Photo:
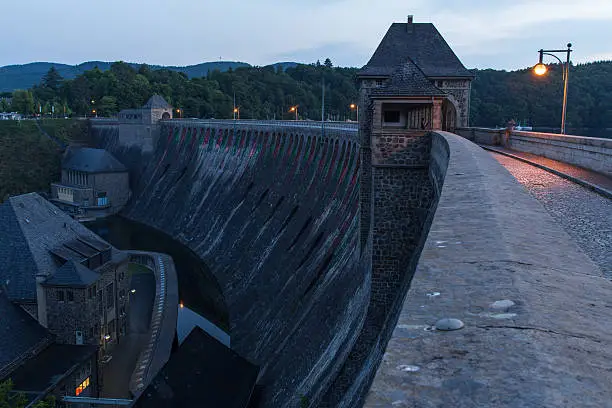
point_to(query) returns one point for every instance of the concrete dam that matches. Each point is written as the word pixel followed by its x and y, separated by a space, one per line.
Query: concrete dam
pixel 275 212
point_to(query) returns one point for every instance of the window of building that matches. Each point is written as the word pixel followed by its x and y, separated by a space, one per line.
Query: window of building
pixel 379 82
pixel 392 116
pixel 70 295
pixel 81 387
pixel 60 295
pixel 110 296
pixel 439 84
pixel 89 293
pixel 102 199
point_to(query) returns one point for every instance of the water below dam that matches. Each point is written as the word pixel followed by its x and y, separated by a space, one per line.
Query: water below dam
pixel 203 303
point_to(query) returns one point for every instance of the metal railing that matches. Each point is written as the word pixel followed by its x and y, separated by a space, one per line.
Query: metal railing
pixel 308 124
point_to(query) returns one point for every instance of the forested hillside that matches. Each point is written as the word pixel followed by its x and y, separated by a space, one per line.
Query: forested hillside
pixel 498 96
pixel 269 92
pixel 27 75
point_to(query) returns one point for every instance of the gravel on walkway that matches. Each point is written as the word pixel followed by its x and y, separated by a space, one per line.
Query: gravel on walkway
pixel 584 214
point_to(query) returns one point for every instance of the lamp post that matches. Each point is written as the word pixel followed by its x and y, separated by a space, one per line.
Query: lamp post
pixel 237 112
pixel 541 69
pixel 179 111
pixel 294 109
pixel 354 106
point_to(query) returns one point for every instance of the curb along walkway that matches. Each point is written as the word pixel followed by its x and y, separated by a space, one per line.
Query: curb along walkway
pixel 597 182
pixel 163 318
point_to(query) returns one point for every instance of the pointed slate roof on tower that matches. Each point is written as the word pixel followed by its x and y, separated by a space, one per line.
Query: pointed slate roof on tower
pixel 408 80
pixel 157 102
pixel 73 274
pixel 420 42
pixel 91 160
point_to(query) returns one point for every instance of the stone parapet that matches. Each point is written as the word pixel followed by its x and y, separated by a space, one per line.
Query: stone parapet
pixel 588 152
pixel 591 153
pixel 163 318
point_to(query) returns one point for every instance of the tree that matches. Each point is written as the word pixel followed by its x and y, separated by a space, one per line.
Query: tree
pixel 328 63
pixel 5 106
pixel 9 399
pixel 107 106
pixel 23 102
pixel 52 79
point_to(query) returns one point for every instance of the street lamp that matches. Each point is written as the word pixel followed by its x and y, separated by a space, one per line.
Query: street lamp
pixel 236 112
pixel 354 106
pixel 294 109
pixel 180 113
pixel 541 69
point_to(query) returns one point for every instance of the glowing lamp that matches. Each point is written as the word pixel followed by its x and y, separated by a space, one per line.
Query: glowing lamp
pixel 353 106
pixel 540 69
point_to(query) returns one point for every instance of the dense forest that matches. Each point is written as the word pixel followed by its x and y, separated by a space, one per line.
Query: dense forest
pixel 269 92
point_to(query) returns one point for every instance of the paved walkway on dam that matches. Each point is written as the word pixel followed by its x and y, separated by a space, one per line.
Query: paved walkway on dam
pixel 585 215
pixel 587 178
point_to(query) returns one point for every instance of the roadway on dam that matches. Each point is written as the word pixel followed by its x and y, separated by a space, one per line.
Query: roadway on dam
pixel 584 214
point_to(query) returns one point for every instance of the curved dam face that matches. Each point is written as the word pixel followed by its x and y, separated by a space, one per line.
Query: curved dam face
pixel 274 213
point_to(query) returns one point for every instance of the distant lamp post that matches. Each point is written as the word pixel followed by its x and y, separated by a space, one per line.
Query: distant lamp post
pixel 179 112
pixel 236 112
pixel 541 69
pixel 294 109
pixel 94 112
pixel 354 106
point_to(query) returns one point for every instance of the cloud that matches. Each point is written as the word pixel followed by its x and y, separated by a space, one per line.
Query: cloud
pixel 483 33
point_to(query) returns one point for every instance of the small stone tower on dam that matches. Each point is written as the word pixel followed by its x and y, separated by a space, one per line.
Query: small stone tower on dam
pixel 312 236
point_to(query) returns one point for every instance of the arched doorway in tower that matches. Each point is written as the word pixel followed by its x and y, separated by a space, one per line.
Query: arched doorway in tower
pixel 165 116
pixel 449 116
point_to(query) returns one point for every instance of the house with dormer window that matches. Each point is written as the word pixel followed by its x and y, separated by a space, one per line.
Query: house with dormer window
pixel 67 278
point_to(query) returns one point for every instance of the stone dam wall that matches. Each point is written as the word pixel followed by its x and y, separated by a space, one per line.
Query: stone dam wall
pixel 588 152
pixel 274 212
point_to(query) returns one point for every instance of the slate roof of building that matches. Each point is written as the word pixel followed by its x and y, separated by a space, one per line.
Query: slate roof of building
pixel 91 160
pixel 157 102
pixel 221 377
pixel 20 333
pixel 408 80
pixel 50 367
pixel 423 44
pixel 73 274
pixel 30 228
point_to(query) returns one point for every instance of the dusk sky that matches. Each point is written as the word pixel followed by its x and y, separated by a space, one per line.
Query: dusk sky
pixel 501 34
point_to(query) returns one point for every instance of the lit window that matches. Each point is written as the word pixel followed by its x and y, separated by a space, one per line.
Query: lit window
pixel 82 387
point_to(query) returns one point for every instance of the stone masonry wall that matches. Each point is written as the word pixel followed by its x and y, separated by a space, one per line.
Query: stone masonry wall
pixel 116 186
pixel 401 198
pixel 459 93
